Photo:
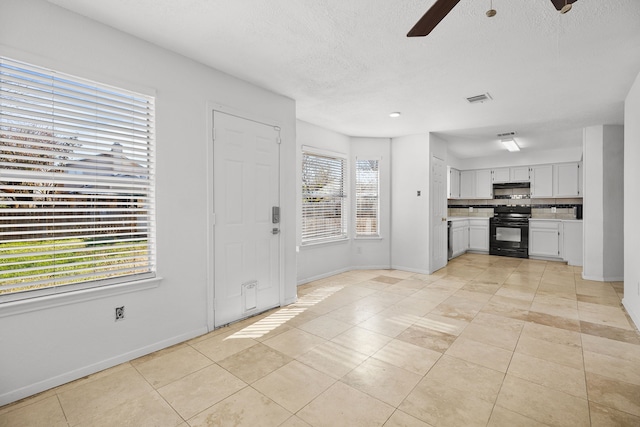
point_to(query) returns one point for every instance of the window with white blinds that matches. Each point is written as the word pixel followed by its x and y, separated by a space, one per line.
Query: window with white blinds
pixel 324 205
pixel 76 183
pixel 367 198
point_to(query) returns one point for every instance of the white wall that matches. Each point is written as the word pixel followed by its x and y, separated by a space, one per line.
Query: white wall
pixel 44 347
pixel 593 212
pixel 326 259
pixel 603 203
pixel 374 252
pixel 409 212
pixel 613 202
pixel 632 202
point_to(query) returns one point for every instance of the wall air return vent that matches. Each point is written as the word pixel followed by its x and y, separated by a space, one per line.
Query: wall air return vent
pixel 506 135
pixel 479 98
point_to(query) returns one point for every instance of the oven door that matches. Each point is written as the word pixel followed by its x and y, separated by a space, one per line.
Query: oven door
pixel 509 237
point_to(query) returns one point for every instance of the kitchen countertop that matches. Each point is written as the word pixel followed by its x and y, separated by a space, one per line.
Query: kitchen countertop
pixel 465 218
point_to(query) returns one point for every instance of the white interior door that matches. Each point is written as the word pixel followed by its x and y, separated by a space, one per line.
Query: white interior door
pixel 246 233
pixel 438 203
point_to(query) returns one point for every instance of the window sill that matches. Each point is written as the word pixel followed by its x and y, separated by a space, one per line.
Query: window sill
pixel 324 242
pixel 367 238
pixel 27 305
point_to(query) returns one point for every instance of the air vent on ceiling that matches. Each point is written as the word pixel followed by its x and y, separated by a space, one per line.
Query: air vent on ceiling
pixel 479 98
pixel 506 135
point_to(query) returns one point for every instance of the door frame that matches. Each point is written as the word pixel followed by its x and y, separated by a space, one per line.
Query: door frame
pixel 440 199
pixel 213 107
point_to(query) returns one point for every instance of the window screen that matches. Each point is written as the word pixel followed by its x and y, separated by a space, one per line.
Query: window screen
pixel 76 182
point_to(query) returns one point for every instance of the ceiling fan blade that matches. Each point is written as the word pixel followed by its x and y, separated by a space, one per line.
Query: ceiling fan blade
pixel 434 15
pixel 559 4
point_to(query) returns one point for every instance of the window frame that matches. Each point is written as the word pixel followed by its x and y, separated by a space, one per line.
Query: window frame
pixel 377 233
pixel 72 168
pixel 343 233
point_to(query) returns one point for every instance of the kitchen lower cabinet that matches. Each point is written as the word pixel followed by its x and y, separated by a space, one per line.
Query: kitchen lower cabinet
pixel 479 235
pixel 460 237
pixel 544 238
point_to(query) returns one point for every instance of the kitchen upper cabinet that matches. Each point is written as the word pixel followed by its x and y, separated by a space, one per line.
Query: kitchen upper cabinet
pixel 501 175
pixel 454 183
pixel 567 182
pixel 541 181
pixel 544 238
pixel 476 184
pixel 484 185
pixel 467 184
pixel 479 234
pixel 514 174
pixel 519 174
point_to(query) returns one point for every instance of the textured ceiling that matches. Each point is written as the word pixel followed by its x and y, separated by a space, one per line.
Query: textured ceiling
pixel 348 64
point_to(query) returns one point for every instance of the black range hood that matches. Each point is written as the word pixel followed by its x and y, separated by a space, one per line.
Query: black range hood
pixel 508 185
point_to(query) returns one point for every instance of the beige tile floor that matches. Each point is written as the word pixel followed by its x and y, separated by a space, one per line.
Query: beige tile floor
pixel 486 341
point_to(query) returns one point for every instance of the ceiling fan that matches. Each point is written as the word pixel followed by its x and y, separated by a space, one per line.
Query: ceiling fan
pixel 441 8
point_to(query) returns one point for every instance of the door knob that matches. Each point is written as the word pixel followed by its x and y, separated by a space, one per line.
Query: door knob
pixel 275 231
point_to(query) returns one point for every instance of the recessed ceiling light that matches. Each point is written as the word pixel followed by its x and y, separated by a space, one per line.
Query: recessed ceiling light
pixel 395 114
pixel 510 144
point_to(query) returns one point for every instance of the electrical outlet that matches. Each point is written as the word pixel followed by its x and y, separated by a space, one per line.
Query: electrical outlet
pixel 553 209
pixel 470 208
pixel 119 313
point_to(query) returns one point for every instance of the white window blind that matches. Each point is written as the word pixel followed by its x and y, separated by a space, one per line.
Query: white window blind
pixel 367 200
pixel 76 182
pixel 323 198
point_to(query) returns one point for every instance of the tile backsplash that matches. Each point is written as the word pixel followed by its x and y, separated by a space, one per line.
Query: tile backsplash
pixel 540 208
pixel 512 193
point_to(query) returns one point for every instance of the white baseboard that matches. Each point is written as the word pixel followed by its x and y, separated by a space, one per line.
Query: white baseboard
pixel 370 267
pixel 410 269
pixel 323 276
pixel 635 316
pixel 49 383
pixel 343 270
pixel 603 279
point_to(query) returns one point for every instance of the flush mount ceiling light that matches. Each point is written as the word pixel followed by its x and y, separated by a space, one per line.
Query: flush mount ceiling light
pixel 510 144
pixel 395 114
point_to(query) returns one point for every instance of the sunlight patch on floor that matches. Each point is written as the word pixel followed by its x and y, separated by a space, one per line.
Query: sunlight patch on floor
pixel 282 316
